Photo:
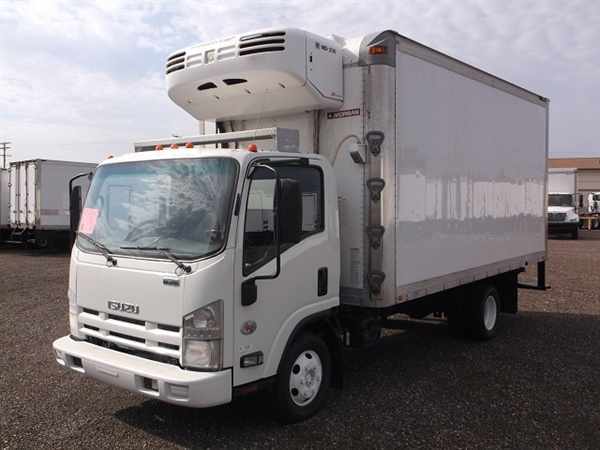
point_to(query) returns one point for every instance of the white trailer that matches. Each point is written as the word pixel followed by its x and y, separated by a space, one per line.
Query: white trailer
pixel 4 227
pixel 389 178
pixel 562 202
pixel 39 210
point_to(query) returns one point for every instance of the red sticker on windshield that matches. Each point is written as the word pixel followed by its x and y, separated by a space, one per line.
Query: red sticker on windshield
pixel 88 220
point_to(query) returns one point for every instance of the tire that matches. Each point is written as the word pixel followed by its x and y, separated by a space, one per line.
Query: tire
pixel 483 314
pixel 303 380
pixel 575 234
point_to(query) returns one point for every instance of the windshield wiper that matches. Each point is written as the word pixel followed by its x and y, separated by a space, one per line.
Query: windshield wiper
pixel 103 248
pixel 165 251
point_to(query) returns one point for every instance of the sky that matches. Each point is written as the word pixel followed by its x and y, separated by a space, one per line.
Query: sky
pixel 80 80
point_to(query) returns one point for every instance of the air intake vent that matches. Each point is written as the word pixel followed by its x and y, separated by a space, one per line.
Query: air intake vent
pixel 175 62
pixel 262 43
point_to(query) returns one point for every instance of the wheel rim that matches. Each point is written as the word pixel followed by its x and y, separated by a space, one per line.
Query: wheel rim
pixel 489 313
pixel 305 378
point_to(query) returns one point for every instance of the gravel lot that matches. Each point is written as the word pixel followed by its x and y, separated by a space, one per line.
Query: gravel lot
pixel 535 385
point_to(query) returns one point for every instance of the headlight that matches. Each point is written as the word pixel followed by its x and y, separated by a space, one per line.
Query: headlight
pixel 203 337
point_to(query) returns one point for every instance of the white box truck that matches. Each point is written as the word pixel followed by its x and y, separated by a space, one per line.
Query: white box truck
pixel 349 182
pixel 39 210
pixel 562 202
pixel 4 227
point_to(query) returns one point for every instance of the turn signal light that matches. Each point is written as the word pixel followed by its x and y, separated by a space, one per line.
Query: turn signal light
pixel 189 145
pixel 158 147
pixel 378 50
pixel 252 148
pixel 174 146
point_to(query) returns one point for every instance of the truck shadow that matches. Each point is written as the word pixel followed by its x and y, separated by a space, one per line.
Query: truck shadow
pixel 22 250
pixel 418 380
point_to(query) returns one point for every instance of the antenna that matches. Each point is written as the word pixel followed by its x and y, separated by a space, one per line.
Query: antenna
pixel 4 148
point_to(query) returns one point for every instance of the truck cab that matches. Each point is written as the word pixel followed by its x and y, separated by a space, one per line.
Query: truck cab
pixel 563 217
pixel 201 230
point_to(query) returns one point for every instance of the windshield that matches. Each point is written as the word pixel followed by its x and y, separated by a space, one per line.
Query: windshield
pixel 560 200
pixel 182 205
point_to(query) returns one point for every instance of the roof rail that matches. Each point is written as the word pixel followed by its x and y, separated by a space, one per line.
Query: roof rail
pixel 284 139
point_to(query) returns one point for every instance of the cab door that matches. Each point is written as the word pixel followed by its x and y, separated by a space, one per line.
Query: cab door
pixel 290 221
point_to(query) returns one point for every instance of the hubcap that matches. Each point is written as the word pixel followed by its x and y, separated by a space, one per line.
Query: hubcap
pixel 489 313
pixel 305 378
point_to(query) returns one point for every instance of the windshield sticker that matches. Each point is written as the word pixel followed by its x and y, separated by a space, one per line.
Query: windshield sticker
pixel 88 220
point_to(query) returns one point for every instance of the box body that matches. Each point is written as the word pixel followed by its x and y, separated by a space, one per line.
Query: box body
pixel 4 199
pixel 462 162
pixel 39 193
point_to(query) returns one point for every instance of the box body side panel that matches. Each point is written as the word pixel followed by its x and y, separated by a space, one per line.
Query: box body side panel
pixel 562 181
pixel 470 176
pixel 53 190
pixel 4 199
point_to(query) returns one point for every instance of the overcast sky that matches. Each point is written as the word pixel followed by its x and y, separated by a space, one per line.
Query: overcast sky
pixel 80 80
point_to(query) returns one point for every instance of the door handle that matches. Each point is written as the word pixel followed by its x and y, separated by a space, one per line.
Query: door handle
pixel 322 281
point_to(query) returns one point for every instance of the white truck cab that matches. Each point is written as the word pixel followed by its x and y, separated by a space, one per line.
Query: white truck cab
pixel 202 244
pixel 348 182
pixel 562 202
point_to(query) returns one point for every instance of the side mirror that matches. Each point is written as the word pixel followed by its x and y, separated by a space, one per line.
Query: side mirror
pixel 75 208
pixel 75 203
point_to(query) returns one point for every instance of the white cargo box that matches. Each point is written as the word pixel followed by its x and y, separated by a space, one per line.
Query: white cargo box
pixel 39 193
pixel 562 181
pixel 462 166
pixel 4 198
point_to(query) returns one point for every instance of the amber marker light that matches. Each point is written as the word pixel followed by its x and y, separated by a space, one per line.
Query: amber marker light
pixel 378 50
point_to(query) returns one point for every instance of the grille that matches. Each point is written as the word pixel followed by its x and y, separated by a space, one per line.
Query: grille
pixel 147 339
pixel 262 43
pixel 175 62
pixel 557 217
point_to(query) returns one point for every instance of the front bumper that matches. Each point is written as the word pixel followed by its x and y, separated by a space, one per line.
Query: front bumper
pixel 150 378
pixel 562 227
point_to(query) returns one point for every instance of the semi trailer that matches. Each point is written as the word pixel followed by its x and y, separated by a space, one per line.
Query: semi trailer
pixel 39 209
pixel 350 184
pixel 562 202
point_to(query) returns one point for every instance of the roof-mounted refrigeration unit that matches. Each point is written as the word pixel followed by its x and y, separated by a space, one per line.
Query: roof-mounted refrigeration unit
pixel 257 75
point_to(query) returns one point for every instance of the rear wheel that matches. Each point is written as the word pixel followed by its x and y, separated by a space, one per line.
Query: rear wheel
pixel 303 380
pixel 484 312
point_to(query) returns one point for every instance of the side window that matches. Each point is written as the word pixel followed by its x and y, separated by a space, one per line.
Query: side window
pixel 300 212
pixel 259 229
pixel 310 181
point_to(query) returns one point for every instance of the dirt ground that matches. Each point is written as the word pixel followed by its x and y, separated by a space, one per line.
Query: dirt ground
pixel 534 386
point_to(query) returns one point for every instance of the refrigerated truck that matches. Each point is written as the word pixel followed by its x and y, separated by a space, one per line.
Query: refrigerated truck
pixel 350 183
pixel 39 209
pixel 562 202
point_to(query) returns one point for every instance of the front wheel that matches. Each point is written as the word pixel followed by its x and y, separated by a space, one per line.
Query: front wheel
pixel 303 380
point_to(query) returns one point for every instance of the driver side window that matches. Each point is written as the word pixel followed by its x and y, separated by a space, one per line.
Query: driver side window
pixel 300 212
pixel 259 232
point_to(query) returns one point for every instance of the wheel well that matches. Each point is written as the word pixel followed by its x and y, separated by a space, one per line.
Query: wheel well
pixel 326 325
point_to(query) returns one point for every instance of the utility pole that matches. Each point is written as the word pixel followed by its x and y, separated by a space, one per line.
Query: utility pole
pixel 4 147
